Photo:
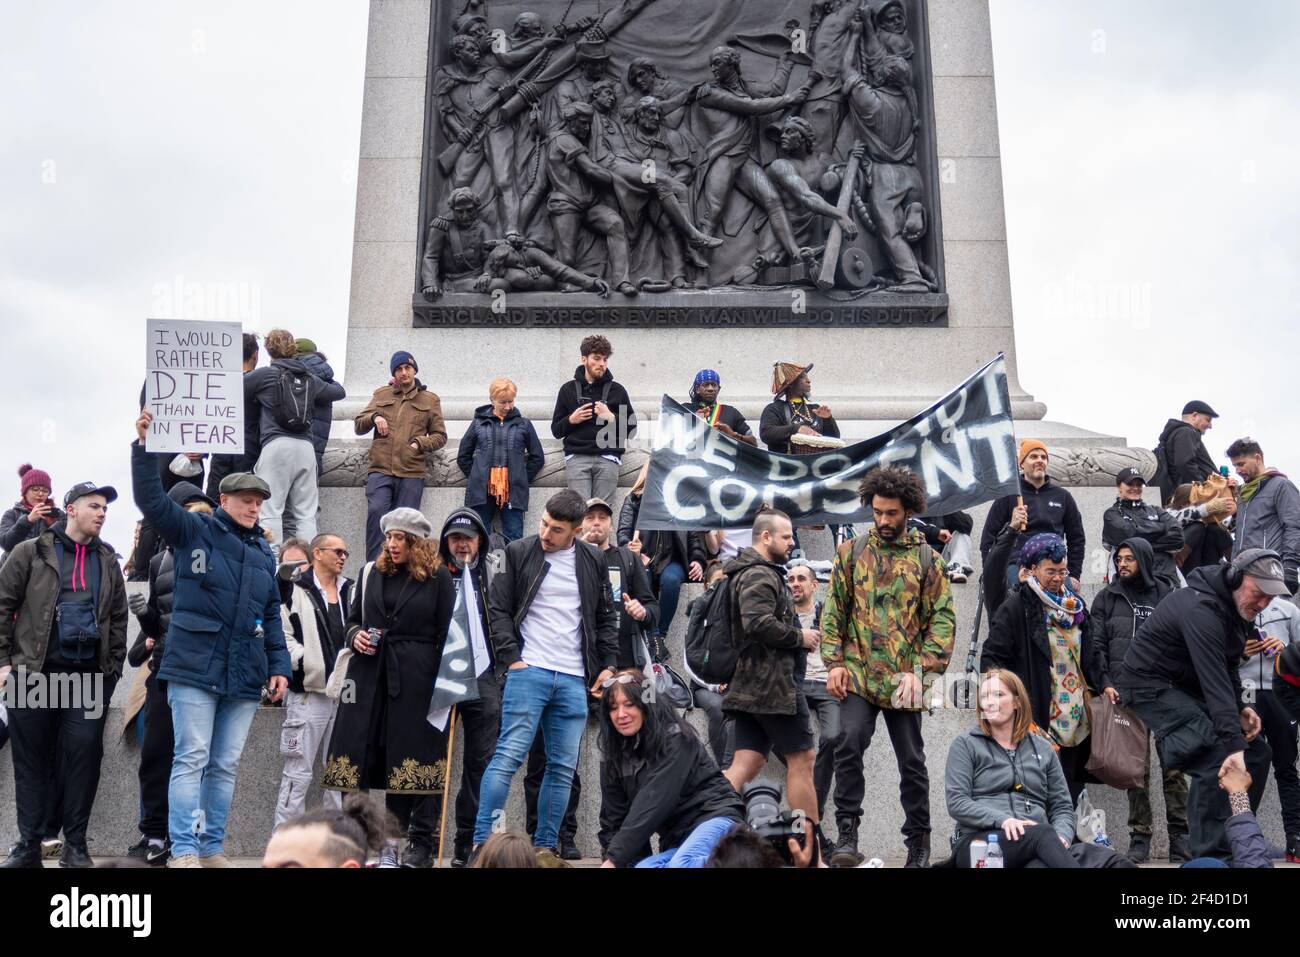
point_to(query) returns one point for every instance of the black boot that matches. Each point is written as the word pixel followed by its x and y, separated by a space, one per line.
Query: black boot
pixel 1139 848
pixel 846 853
pixel 1178 851
pixel 918 852
pixel 569 850
pixel 460 855
pixel 24 854
pixel 418 855
pixel 75 855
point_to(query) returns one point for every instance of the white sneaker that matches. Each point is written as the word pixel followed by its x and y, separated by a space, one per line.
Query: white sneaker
pixel 215 860
pixel 185 860
pixel 388 856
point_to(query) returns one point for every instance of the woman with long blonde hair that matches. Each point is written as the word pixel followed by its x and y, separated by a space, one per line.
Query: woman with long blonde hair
pixel 395 635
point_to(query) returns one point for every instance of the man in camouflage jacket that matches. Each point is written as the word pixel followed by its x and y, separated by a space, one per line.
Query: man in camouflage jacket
pixel 888 620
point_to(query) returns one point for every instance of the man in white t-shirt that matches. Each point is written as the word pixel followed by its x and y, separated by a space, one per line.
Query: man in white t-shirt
pixel 554 630
pixel 803 585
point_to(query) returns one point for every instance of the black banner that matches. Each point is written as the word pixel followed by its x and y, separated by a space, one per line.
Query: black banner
pixel 963 447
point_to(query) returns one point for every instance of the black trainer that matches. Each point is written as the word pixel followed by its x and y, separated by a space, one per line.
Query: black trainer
pixel 1178 850
pixel 75 855
pixel 1139 849
pixel 24 854
pixel 569 850
pixel 460 855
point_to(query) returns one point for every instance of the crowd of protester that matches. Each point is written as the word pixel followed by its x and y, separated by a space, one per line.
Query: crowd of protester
pixel 1194 632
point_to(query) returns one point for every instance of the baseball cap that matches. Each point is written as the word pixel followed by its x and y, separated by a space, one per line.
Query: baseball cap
pixel 89 488
pixel 1130 474
pixel 461 525
pixel 244 482
pixel 1266 569
pixel 1196 405
pixel 599 503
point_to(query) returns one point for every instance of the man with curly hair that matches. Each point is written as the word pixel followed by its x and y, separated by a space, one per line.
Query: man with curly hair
pixel 594 417
pixel 888 620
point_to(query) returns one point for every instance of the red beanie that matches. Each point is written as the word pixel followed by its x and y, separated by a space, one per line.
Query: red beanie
pixel 31 477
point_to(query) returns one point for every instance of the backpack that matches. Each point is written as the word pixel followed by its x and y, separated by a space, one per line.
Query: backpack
pixel 295 405
pixel 1163 479
pixel 709 651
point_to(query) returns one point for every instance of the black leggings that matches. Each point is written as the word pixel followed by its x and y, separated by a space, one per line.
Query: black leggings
pixel 1039 847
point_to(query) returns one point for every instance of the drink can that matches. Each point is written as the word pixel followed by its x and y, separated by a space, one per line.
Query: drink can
pixel 376 637
pixel 979 853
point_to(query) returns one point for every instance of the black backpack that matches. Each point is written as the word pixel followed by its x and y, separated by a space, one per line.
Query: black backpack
pixel 1163 479
pixel 710 654
pixel 295 405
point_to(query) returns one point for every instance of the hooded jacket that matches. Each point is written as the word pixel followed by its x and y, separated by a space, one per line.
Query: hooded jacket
pixel 671 795
pixel 307 632
pixel 30 583
pixel 1271 519
pixel 885 614
pixel 485 567
pixel 224 589
pixel 490 442
pixel 980 785
pixel 593 437
pixel 1185 453
pixel 262 394
pixel 15 529
pixel 412 416
pixel 1017 641
pixel 1281 619
pixel 765 630
pixel 1122 606
pixel 320 426
pixel 1125 520
pixel 1194 641
pixel 1051 509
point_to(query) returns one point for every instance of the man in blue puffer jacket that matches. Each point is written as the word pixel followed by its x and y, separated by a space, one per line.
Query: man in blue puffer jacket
pixel 224 643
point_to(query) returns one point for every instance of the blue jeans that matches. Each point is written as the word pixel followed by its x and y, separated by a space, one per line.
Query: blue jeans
pixel 697 847
pixel 512 519
pixel 383 494
pixel 209 734
pixel 558 703
pixel 670 587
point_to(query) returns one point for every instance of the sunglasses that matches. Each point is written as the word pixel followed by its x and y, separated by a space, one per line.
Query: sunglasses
pixel 340 552
pixel 625 679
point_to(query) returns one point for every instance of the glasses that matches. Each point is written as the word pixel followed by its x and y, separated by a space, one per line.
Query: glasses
pixel 340 552
pixel 624 679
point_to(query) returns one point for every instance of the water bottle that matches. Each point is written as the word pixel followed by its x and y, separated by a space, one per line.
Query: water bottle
pixel 258 632
pixel 994 857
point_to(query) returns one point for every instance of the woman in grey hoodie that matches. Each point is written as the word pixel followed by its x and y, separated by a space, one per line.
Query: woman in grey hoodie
pixel 1003 778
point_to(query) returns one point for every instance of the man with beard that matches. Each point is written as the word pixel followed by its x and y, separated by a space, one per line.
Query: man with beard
pixel 727 114
pixel 1182 677
pixel 1117 612
pixel 887 624
pixel 462 88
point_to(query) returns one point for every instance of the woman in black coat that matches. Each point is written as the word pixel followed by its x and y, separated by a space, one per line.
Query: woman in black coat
pixel 670 557
pixel 657 777
pixel 1042 633
pixel 382 738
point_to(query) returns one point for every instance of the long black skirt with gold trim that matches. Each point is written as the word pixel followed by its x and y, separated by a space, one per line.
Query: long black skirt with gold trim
pixel 382 737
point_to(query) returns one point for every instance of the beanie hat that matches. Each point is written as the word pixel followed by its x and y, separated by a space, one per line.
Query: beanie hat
pixel 1027 446
pixel 409 520
pixel 402 358
pixel 33 477
pixel 305 347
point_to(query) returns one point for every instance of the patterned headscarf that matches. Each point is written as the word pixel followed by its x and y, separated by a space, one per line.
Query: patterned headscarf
pixel 1044 545
pixel 703 376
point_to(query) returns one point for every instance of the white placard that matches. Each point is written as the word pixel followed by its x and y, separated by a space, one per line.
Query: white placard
pixel 194 386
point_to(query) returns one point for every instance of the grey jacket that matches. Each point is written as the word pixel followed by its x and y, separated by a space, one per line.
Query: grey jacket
pixel 1281 619
pixel 980 785
pixel 1271 519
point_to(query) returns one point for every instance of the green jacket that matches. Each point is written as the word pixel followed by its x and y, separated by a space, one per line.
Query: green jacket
pixel 29 590
pixel 765 628
pixel 880 619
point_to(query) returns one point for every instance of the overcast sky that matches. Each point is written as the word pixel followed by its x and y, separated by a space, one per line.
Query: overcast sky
pixel 1149 166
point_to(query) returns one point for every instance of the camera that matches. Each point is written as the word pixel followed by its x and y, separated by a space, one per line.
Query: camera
pixel 764 816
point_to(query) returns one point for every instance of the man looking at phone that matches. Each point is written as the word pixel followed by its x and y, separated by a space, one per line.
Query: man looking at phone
pixel 594 417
